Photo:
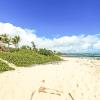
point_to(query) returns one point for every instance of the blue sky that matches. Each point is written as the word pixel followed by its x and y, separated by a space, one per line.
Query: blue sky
pixel 53 18
pixel 61 25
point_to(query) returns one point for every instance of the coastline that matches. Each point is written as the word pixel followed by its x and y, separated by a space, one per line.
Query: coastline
pixel 79 77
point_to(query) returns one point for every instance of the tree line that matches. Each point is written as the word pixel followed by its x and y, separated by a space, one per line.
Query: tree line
pixel 5 39
pixel 6 42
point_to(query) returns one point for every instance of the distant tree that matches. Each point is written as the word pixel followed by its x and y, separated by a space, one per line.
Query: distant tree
pixel 54 52
pixel 58 53
pixel 33 45
pixel 15 41
pixel 45 52
pixel 26 47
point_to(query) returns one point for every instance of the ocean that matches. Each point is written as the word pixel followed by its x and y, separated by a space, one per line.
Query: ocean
pixel 86 55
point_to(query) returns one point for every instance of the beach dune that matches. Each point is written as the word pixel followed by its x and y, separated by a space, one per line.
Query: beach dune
pixel 71 79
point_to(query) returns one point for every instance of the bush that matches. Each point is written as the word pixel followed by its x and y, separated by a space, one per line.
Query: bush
pixel 45 52
pixel 27 57
pixel 26 47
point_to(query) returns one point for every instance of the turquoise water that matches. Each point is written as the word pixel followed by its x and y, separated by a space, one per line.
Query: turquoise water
pixel 81 55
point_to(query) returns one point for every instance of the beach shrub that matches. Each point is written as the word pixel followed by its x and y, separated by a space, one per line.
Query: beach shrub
pixel 24 57
pixel 25 47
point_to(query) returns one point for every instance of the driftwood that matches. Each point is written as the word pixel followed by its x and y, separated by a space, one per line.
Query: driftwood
pixel 71 96
pixel 46 90
pixel 43 89
pixel 32 95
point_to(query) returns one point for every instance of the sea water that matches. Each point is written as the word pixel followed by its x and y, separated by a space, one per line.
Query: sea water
pixel 83 55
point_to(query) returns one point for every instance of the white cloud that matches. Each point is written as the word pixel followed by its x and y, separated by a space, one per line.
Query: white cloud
pixel 81 43
pixel 26 35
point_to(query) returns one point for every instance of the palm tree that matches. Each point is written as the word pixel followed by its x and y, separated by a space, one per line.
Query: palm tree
pixel 2 45
pixel 15 41
pixel 33 45
pixel 1 42
pixel 6 39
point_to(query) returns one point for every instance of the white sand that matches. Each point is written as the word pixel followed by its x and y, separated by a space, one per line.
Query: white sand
pixel 79 77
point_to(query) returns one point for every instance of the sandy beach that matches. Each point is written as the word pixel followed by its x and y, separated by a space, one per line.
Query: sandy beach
pixel 71 79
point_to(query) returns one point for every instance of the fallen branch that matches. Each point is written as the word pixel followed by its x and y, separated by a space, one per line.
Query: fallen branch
pixel 71 96
pixel 32 95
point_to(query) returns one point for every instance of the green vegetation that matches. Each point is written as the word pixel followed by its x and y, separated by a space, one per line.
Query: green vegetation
pixel 45 52
pixel 25 55
pixel 4 67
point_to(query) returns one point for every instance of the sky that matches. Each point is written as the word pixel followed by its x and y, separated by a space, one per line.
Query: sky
pixel 53 18
pixel 68 25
